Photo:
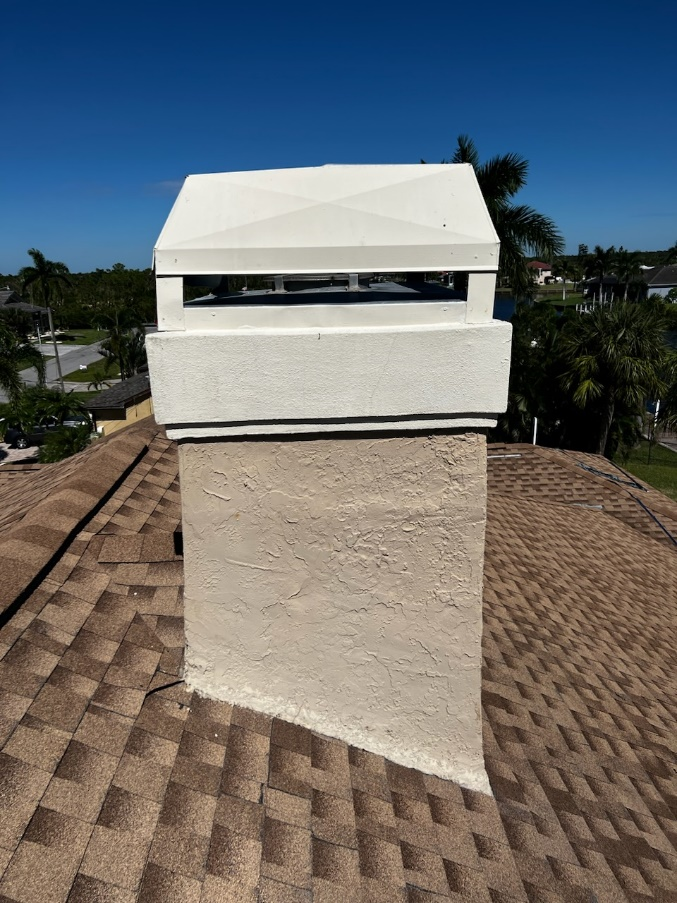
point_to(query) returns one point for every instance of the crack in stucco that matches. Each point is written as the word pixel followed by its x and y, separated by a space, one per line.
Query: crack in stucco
pixel 248 564
pixel 224 498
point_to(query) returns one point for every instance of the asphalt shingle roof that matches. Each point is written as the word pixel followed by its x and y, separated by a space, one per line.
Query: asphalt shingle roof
pixel 661 276
pixel 122 393
pixel 118 784
pixel 10 299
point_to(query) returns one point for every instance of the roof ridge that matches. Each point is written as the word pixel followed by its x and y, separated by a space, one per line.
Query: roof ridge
pixel 624 487
pixel 29 547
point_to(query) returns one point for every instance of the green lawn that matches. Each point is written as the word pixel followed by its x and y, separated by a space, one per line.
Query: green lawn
pixel 555 298
pixel 661 473
pixel 84 397
pixel 550 294
pixel 94 371
pixel 81 336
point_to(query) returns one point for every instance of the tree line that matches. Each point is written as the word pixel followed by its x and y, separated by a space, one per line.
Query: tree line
pixel 586 377
pixel 117 301
pixel 624 265
pixel 79 300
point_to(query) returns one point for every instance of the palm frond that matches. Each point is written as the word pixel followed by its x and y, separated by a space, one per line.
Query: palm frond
pixel 502 177
pixel 466 152
pixel 10 380
pixel 534 232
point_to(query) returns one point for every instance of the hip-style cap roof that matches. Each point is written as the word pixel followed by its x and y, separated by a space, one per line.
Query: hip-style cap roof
pixel 329 219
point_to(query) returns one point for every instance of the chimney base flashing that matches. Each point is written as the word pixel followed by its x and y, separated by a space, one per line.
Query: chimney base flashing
pixel 468 771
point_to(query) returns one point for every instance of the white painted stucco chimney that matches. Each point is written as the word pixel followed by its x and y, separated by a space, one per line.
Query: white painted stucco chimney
pixel 332 449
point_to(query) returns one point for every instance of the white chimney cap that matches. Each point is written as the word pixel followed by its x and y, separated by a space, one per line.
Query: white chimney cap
pixel 329 219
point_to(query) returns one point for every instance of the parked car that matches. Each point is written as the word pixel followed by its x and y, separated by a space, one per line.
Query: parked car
pixel 76 420
pixel 17 437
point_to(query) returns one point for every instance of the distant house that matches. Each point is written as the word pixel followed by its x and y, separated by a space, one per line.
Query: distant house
pixel 657 280
pixel 660 280
pixel 122 404
pixel 11 300
pixel 610 287
pixel 540 271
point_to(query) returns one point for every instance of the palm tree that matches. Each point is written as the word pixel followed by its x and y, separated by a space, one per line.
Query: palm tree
pixel 126 341
pixel 522 230
pixel 134 352
pixel 117 319
pixel 576 272
pixel 614 358
pixel 98 384
pixel 667 414
pixel 562 268
pixel 63 443
pixel 599 264
pixel 533 390
pixel 671 255
pixel 16 355
pixel 127 349
pixel 62 406
pixel 44 273
pixel 627 268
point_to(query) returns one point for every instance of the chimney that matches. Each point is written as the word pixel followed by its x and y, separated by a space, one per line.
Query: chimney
pixel 331 432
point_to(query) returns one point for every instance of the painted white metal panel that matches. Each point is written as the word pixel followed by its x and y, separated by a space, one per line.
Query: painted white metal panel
pixel 329 219
pixel 311 315
pixel 481 294
pixel 169 293
pixel 237 378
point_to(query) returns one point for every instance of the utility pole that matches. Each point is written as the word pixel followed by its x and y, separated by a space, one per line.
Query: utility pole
pixel 56 350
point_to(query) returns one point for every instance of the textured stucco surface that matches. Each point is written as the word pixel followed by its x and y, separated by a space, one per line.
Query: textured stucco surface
pixel 337 583
pixel 242 378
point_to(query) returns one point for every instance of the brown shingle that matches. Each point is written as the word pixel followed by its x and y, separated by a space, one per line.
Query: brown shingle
pixel 242 816
pixel 146 745
pixel 123 700
pixel 39 874
pixel 234 858
pixel 21 787
pixel 188 809
pixel 37 743
pixel 126 811
pixel 115 857
pixel 162 886
pixel 181 851
pixel 104 730
pixel 142 776
pixel 59 707
pixel 121 548
pixel 91 890
pixel 178 797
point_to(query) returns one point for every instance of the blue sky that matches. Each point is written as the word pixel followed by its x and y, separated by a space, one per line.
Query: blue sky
pixel 107 106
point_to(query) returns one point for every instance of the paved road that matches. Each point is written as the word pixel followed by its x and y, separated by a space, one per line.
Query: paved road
pixel 71 357
pixel 669 442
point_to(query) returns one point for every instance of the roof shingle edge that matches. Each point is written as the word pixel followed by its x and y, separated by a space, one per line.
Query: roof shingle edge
pixel 31 547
